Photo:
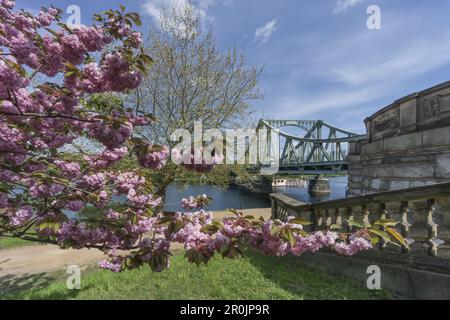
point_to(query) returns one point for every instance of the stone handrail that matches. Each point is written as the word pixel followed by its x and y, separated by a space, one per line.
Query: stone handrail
pixel 421 212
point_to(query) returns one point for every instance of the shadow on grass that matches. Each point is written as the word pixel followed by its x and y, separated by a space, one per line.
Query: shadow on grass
pixel 12 287
pixel 11 284
pixel 306 282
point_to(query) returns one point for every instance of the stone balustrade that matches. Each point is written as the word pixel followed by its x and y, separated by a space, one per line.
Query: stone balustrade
pixel 422 212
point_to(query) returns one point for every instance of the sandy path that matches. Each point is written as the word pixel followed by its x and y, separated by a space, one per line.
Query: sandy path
pixel 39 259
pixel 22 261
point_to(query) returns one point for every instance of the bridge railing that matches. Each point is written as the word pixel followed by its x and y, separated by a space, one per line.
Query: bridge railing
pixel 423 214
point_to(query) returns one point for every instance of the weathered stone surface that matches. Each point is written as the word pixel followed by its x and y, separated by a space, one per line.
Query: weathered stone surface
pixel 385 123
pixel 408 113
pixel 443 166
pixel 403 142
pixel 398 277
pixel 379 171
pixel 412 170
pixel 436 137
pixel 420 183
pixel 376 183
pixel 399 184
pixel 374 147
pixel 353 158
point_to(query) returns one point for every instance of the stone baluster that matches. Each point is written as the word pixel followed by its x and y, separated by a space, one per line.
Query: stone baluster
pixel 350 217
pixel 366 218
pixel 433 240
pixel 274 205
pixel 338 218
pixel 328 220
pixel 319 219
pixel 404 223
pixel 382 214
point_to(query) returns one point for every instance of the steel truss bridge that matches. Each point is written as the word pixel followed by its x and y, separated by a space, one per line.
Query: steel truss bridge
pixel 309 146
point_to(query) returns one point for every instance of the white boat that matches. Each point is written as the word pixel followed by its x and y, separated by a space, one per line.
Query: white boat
pixel 279 183
pixel 288 183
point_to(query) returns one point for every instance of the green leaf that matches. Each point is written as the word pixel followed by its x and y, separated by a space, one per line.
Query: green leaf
pixel 49 225
pixel 65 27
pixel 397 236
pixel 17 67
pixel 53 32
pixel 134 17
pixel 380 233
pixel 301 221
pixel 275 230
pixel 291 238
pixel 70 73
pixel 355 223
pixel 386 222
pixel 374 240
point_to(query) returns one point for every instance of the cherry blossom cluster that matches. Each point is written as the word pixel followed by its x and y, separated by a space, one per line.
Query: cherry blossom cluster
pixel 195 203
pixel 40 185
pixel 196 160
pixel 202 237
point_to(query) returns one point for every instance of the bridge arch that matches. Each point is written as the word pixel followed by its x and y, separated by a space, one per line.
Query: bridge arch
pixel 320 148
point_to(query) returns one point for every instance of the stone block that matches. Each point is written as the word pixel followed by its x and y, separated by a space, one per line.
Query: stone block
pixel 354 158
pixel 374 147
pixel 409 283
pixel 436 137
pixel 354 178
pixel 399 184
pixel 376 183
pixel 385 185
pixel 442 170
pixel 414 171
pixel 408 113
pixel 403 142
pixel 421 183
pixel 379 171
pixel 354 172
pixel 366 182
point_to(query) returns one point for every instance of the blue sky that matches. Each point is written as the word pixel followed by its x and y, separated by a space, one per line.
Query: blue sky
pixel 321 61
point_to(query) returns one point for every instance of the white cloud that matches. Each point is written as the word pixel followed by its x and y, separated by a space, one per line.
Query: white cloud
pixel 305 104
pixel 334 74
pixel 155 8
pixel 343 5
pixel 263 34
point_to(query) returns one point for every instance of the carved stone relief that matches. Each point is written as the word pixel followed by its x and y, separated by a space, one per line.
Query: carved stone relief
pixel 386 121
pixel 433 106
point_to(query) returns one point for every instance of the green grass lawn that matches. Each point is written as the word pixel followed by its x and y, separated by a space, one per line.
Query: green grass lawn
pixel 7 243
pixel 253 277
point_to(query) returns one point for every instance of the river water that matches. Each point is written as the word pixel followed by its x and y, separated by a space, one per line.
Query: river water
pixel 241 198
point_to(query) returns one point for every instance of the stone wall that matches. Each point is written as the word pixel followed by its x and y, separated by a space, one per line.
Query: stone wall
pixel 408 144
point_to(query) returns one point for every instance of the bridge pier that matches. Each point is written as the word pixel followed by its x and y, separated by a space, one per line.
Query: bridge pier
pixel 319 186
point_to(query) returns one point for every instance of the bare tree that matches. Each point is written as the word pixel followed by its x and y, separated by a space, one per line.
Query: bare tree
pixel 192 81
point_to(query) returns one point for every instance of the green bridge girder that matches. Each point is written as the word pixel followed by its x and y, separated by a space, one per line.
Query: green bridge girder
pixel 321 148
